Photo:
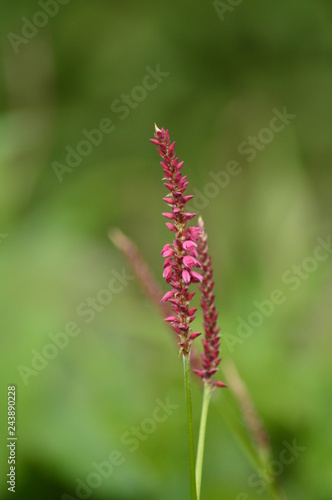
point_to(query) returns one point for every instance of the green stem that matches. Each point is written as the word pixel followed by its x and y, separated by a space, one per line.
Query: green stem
pixel 187 387
pixel 201 438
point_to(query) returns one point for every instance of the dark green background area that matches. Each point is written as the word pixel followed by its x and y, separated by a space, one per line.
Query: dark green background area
pixel 225 78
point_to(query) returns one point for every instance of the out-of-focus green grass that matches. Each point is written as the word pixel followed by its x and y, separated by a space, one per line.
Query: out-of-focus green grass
pixel 225 78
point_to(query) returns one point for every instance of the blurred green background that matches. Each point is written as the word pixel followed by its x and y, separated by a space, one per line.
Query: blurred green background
pixel 222 75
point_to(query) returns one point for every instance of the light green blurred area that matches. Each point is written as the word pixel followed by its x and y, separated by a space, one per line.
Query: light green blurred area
pixel 224 80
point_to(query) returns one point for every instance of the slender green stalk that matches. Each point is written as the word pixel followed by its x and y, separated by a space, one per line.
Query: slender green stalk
pixel 201 438
pixel 187 386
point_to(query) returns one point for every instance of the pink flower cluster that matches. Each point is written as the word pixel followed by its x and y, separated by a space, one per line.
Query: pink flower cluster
pixel 181 255
pixel 211 342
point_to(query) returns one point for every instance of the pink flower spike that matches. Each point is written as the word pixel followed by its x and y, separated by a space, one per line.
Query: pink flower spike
pixel 186 276
pixel 210 359
pixel 180 255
